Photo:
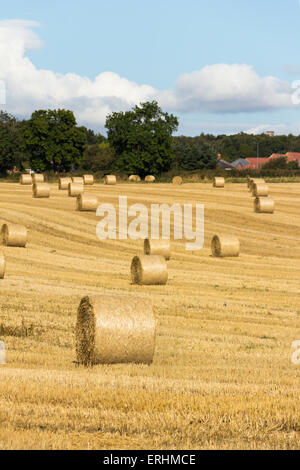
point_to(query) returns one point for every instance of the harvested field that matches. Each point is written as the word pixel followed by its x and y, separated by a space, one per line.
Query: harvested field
pixel 222 376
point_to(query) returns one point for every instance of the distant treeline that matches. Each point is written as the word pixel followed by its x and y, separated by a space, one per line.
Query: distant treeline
pixel 242 145
pixel 138 141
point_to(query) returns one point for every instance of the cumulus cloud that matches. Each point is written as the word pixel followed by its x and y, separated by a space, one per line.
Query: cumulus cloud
pixel 220 88
pixel 224 88
pixel 29 88
pixel 279 129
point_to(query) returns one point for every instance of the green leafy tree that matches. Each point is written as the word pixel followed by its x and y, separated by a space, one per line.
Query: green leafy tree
pixel 11 142
pixel 98 157
pixel 53 140
pixel 192 155
pixel 142 139
pixel 93 139
pixel 275 163
pixel 293 165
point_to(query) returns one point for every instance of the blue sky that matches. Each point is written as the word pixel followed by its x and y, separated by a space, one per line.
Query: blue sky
pixel 154 43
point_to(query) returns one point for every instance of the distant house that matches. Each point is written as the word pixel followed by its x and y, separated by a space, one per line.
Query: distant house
pixel 293 157
pixel 225 165
pixel 241 164
pixel 256 163
pixel 250 163
pixel 277 155
pixel 290 156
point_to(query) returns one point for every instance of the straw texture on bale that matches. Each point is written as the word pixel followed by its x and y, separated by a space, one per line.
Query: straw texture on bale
pixel 177 180
pixel 150 178
pixel 149 270
pixel 225 245
pixel 38 178
pixel 77 179
pixel 219 182
pixel 260 190
pixel 25 179
pixel 157 247
pixel 264 205
pixel 14 235
pixel 112 330
pixel 63 183
pixel 110 179
pixel 134 178
pixel 86 202
pixel 41 190
pixel 75 189
pixel 2 265
pixel 88 179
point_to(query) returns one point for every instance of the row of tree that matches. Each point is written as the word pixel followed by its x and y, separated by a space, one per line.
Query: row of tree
pixel 244 145
pixel 138 141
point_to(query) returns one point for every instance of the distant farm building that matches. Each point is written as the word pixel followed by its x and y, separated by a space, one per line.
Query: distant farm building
pixel 253 163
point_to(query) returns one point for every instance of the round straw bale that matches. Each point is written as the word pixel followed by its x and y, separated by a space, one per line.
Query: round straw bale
pixel 87 202
pixel 75 189
pixel 25 179
pixel 77 179
pixel 110 179
pixel 264 205
pixel 38 178
pixel 112 330
pixel 157 247
pixel 150 178
pixel 63 183
pixel 260 190
pixel 254 181
pixel 88 179
pixel 249 178
pixel 14 235
pixel 134 178
pixel 149 270
pixel 2 265
pixel 177 180
pixel 219 182
pixel 225 245
pixel 41 190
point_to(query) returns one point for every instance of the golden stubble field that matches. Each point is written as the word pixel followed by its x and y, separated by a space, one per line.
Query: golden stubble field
pixel 222 376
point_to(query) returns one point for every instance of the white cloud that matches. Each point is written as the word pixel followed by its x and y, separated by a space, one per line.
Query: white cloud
pixel 29 88
pixel 224 88
pixel 220 88
pixel 279 129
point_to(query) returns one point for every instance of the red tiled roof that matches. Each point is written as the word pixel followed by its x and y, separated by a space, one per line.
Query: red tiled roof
pixel 277 155
pixel 253 162
pixel 290 156
pixel 293 156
